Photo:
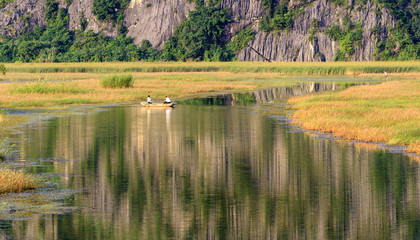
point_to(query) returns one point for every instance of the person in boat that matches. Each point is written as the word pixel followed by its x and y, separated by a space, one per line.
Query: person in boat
pixel 149 100
pixel 167 100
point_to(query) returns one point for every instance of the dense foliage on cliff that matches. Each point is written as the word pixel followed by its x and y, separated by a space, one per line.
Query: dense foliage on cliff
pixel 55 43
pixel 403 41
pixel 201 35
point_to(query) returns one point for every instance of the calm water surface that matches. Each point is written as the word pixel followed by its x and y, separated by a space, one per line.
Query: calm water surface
pixel 215 172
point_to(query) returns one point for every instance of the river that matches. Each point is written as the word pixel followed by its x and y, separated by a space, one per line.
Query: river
pixel 215 168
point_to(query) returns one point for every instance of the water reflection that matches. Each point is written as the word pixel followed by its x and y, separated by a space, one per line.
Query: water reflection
pixel 213 172
pixel 263 96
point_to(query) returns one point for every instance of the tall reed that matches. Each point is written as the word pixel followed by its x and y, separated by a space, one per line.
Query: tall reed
pixel 329 68
pixel 123 81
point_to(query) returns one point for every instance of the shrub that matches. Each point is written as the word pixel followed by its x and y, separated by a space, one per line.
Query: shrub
pixel 335 33
pixel 123 81
pixel 109 10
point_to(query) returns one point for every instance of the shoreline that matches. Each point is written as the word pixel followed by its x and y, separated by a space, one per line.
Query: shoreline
pixel 384 114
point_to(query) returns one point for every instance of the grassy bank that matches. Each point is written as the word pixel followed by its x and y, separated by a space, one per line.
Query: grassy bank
pixel 325 68
pixel 62 89
pixel 42 94
pixel 15 181
pixel 388 112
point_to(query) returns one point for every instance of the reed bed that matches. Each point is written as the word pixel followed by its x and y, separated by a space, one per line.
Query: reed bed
pixel 329 68
pixel 388 112
pixel 124 81
pixel 16 181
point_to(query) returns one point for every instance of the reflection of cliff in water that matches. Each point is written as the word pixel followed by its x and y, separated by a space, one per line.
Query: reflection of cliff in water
pixel 274 94
pixel 217 173
pixel 261 96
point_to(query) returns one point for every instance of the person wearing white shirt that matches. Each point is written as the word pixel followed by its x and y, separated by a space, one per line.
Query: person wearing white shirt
pixel 167 100
pixel 149 100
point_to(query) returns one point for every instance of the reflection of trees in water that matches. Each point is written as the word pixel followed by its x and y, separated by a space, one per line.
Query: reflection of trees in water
pixel 218 172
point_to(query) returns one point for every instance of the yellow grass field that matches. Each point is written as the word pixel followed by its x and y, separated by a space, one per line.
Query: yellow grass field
pixel 80 83
pixel 388 112
pixel 158 85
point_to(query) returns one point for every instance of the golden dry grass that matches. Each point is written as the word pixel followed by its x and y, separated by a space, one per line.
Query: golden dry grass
pixel 94 93
pixel 154 79
pixel 157 85
pixel 15 181
pixel 388 112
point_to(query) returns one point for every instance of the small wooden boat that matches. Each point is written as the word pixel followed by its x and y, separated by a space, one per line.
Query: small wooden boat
pixel 158 104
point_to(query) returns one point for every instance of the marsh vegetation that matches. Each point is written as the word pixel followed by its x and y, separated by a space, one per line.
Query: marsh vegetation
pixel 122 81
pixel 16 181
pixel 388 112
pixel 306 68
pixel 62 84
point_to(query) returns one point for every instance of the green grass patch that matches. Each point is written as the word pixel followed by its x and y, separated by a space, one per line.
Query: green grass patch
pixel 123 81
pixel 42 87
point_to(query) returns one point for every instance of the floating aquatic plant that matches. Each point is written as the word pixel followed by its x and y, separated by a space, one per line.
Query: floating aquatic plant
pixel 32 204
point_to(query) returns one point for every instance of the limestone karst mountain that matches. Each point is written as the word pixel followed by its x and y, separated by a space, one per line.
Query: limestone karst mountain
pixel 311 30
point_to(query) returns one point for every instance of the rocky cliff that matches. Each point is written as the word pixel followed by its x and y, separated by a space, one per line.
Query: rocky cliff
pixel 295 46
pixel 156 20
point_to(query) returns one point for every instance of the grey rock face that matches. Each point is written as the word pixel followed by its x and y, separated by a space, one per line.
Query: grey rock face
pixel 155 20
pixel 78 7
pixel 12 17
pixel 245 13
pixel 295 46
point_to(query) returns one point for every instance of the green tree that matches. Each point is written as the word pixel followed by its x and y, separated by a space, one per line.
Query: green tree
pixel 2 69
pixel 51 11
pixel 197 34
pixel 241 39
